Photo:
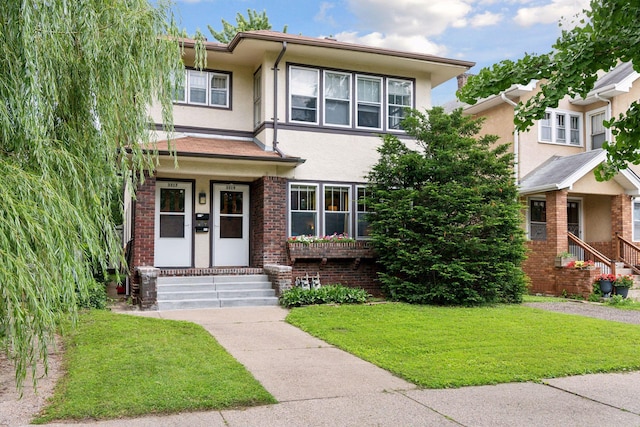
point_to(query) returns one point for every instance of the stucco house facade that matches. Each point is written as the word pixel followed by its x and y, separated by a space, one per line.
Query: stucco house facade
pixel 565 209
pixel 273 139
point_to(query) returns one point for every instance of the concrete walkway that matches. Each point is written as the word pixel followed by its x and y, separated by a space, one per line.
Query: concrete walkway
pixel 317 384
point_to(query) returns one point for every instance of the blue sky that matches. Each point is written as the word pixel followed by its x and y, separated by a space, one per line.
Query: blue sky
pixel 481 31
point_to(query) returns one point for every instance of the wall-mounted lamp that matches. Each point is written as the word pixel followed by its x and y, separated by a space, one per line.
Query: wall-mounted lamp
pixel 202 198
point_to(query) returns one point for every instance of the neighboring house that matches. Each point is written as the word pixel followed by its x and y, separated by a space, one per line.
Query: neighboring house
pixel 273 139
pixel 565 207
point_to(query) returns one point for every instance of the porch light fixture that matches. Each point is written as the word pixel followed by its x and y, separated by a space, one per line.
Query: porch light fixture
pixel 202 198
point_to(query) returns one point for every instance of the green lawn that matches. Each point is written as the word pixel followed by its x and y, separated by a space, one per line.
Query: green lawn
pixel 122 366
pixel 438 347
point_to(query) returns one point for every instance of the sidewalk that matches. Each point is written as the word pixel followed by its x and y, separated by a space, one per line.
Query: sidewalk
pixel 317 384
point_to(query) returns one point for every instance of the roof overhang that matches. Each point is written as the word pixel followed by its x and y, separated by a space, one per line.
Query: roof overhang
pixel 249 48
pixel 513 93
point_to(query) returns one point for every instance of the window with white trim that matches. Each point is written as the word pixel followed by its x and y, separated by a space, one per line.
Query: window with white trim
pixel 597 131
pixel 204 88
pixel 257 99
pixel 362 209
pixel 337 98
pixel 369 102
pixel 561 127
pixel 303 219
pixel 399 96
pixel 636 219
pixel 303 92
pixel 337 213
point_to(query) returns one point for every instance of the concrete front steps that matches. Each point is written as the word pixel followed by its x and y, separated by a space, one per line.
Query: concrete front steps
pixel 185 292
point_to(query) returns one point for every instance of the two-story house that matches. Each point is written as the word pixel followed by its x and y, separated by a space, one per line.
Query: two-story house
pixel 565 208
pixel 273 139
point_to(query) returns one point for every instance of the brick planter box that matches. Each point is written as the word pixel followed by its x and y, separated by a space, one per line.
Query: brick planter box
pixel 353 250
pixel 350 264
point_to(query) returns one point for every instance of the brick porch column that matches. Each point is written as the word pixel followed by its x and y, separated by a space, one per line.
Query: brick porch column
pixel 143 230
pixel 268 221
pixel 557 221
pixel 621 220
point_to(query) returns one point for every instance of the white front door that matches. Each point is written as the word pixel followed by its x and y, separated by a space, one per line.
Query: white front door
pixel 173 224
pixel 230 225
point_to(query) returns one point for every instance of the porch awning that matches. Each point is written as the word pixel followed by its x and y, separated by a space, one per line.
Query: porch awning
pixel 562 172
pixel 219 148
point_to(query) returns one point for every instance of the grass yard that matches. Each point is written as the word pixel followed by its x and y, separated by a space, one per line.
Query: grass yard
pixel 123 366
pixel 438 347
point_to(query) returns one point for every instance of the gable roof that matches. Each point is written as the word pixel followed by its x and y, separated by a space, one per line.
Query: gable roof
pixel 249 46
pixel 560 172
pixel 615 82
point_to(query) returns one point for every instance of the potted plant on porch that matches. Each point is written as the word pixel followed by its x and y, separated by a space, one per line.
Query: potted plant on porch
pixel 605 282
pixel 564 258
pixel 622 285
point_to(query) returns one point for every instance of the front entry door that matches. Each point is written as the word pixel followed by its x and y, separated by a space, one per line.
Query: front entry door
pixel 230 225
pixel 573 226
pixel 173 224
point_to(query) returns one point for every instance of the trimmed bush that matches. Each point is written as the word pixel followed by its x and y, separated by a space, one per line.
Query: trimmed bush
pixel 96 296
pixel 330 294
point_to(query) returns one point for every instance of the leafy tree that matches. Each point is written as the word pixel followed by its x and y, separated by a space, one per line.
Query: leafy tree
pixel 611 33
pixel 77 78
pixel 447 222
pixel 254 21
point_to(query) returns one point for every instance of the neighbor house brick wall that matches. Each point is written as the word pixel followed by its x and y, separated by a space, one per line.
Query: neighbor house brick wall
pixel 268 221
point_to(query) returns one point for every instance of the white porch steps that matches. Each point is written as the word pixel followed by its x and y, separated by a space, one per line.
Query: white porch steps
pixel 185 292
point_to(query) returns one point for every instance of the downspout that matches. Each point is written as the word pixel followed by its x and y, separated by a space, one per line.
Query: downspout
pixel 275 99
pixel 608 113
pixel 516 141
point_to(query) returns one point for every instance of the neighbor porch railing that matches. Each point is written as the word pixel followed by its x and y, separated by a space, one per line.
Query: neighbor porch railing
pixel 582 251
pixel 628 253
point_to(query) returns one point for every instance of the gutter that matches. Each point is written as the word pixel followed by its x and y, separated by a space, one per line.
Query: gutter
pixel 275 99
pixel 516 141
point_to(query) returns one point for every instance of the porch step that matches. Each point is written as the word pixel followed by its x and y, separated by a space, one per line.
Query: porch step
pixel 185 292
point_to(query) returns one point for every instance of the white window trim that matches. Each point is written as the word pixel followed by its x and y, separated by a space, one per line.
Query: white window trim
pixel 358 212
pixel 389 105
pixel 554 127
pixel 349 210
pixel 634 237
pixel 381 104
pixel 319 211
pixel 291 94
pixel 324 99
pixel 588 115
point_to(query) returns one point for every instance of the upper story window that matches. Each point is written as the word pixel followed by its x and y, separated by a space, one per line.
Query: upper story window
pixel 345 99
pixel 337 98
pixel 369 102
pixel 596 131
pixel 204 88
pixel 399 95
pixel 257 98
pixel 561 127
pixel 304 95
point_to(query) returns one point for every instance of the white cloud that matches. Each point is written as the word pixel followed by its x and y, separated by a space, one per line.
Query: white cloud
pixel 323 14
pixel 485 19
pixel 415 43
pixel 410 17
pixel 551 12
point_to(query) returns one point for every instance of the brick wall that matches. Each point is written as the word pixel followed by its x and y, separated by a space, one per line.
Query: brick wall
pixel 573 282
pixel 268 221
pixel 621 220
pixel 143 231
pixel 349 264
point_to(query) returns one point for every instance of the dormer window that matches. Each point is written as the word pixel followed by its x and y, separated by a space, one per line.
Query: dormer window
pixel 561 127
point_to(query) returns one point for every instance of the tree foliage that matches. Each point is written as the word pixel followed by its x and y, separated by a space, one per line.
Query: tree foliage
pixel 75 85
pixel 447 222
pixel 254 21
pixel 609 34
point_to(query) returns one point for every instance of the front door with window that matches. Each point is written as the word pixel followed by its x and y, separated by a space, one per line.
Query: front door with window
pixel 231 225
pixel 173 236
